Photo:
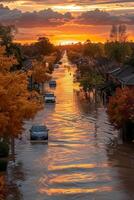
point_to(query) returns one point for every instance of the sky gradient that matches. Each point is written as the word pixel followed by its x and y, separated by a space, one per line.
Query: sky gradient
pixel 68 20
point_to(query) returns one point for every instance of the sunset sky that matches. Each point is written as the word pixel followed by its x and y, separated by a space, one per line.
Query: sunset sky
pixel 67 21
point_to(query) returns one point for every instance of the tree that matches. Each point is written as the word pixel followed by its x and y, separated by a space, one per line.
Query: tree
pixel 50 60
pixel 93 50
pixel 122 33
pixel 91 80
pixel 16 103
pixel 40 74
pixel 130 61
pixel 117 51
pixel 7 34
pixel 114 33
pixel 44 46
pixel 121 107
pixel 118 33
pixel 29 50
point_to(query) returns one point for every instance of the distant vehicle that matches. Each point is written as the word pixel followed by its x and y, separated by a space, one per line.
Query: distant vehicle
pixel 49 97
pixel 52 83
pixel 56 65
pixel 39 132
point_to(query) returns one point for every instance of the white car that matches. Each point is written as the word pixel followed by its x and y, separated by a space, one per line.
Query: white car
pixel 39 132
pixel 49 97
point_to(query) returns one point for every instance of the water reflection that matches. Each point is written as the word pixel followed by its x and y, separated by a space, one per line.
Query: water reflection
pixel 122 158
pixel 12 182
pixel 75 191
pixel 76 163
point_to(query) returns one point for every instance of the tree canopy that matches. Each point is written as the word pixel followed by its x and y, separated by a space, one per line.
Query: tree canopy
pixel 16 103
pixel 93 50
pixel 40 74
pixel 117 51
pixel 121 107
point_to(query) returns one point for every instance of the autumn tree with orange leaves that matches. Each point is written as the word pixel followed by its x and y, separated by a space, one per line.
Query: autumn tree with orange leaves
pixel 40 74
pixel 16 103
pixel 121 107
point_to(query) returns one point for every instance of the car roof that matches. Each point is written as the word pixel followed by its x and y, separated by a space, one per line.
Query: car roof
pixel 52 81
pixel 49 93
pixel 38 127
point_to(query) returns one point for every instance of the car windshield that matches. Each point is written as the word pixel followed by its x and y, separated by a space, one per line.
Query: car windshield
pixel 38 128
pixel 49 95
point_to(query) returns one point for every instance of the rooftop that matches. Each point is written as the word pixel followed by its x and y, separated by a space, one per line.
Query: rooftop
pixel 124 75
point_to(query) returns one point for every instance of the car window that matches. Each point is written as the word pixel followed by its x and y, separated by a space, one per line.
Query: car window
pixel 49 95
pixel 38 128
pixel 53 82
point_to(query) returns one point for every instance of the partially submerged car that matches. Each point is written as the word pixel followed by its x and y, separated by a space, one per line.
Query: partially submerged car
pixel 39 132
pixel 49 97
pixel 52 83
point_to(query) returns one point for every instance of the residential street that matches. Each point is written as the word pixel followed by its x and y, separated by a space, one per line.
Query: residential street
pixel 82 159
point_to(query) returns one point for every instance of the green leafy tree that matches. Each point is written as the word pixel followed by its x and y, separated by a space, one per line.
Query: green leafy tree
pixel 118 51
pixel 7 34
pixel 90 81
pixel 44 46
pixel 93 50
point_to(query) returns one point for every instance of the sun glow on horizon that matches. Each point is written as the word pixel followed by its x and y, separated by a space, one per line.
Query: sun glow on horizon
pixel 67 42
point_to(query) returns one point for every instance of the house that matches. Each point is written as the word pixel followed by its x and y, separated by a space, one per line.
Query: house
pixel 122 76
pixel 117 77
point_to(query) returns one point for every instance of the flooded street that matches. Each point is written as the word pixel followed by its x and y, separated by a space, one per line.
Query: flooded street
pixel 82 159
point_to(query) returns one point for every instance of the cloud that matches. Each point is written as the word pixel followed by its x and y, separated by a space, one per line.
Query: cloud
pixel 6 13
pixel 41 18
pixel 94 2
pixel 51 18
pixel 98 17
pixel 79 2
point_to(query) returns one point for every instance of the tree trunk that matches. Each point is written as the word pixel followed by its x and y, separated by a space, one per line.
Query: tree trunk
pixel 13 148
pixel 86 95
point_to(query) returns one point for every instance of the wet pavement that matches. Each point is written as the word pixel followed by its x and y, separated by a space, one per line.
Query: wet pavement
pixel 83 158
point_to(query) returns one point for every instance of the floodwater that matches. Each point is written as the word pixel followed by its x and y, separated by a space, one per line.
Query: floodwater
pixel 83 159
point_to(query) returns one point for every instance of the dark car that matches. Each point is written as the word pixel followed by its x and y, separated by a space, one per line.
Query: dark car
pixel 52 83
pixel 39 132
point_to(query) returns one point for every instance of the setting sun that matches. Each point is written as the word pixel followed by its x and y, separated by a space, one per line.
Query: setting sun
pixel 66 42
